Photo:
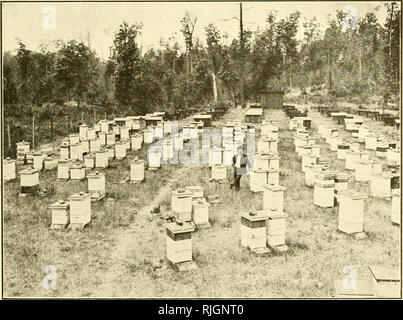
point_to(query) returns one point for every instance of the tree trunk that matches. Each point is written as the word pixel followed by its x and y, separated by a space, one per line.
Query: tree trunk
pixel 329 71
pixel 51 127
pixel 8 133
pixel 95 114
pixel 359 65
pixel 33 131
pixel 290 74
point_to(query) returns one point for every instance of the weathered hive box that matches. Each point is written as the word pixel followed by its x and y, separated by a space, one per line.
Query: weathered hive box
pixel 342 148
pixel 178 142
pixel 351 158
pixel 154 158
pixel 273 197
pixel 116 130
pixel 102 138
pixel 136 170
pixel 381 150
pixel 124 132
pixel 148 136
pixel 89 161
pixel 363 289
pixel 77 171
pixel 196 191
pixel 386 281
pixel 23 147
pixel 219 172
pixel 136 141
pixel 74 138
pixel 158 132
pixel 181 204
pixel 381 185
pixel 167 150
pixel 127 144
pixel 355 147
pixel 340 182
pixel 301 150
pixel 273 176
pixel 215 156
pixel 38 161
pixel 29 158
pixel 253 229
pixel 110 151
pixel 364 169
pixel 80 208
pixel 83 132
pixel 95 145
pixel 50 163
pixel 371 142
pixel 258 178
pixel 363 131
pixel 179 242
pixel 200 212
pixel 266 161
pixel 63 169
pixel 85 146
pixel 76 152
pixel 396 206
pixel 29 181
pixel 310 174
pixel 227 155
pixel 120 150
pixel 275 228
pixel 193 133
pixel 60 214
pixel 308 159
pixel 101 159
pixel 110 138
pixel 104 126
pixel 263 145
pixel 96 185
pixel 323 193
pixel 351 211
pixel 65 151
pixel 9 172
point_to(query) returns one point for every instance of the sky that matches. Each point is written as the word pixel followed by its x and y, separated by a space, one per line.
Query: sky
pixel 99 21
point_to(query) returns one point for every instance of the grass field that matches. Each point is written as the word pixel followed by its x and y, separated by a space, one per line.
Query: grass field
pixel 121 253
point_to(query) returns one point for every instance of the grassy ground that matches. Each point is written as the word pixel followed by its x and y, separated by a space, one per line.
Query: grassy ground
pixel 121 253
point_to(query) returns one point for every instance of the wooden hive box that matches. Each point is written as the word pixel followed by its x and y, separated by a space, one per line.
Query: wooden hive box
pixel 102 138
pixel 104 125
pixel 334 142
pixel 83 132
pixel 351 158
pixel 381 150
pixel 393 155
pixel 178 142
pixel 96 185
pixel 110 151
pixel 253 229
pixel 74 138
pixel 364 169
pixel 64 152
pixel 136 170
pixel 23 147
pixel 258 179
pixel 95 145
pixel 50 163
pixel 363 131
pixel 9 169
pixel 77 171
pixel 273 144
pixel 38 161
pixel 154 158
pixel 200 212
pixel 215 156
pixel 80 208
pixel 97 127
pixel 120 150
pixel 315 150
pixel 63 169
pixel 181 204
pixel 167 127
pixel 60 214
pixel 29 181
pixel 396 207
pixel 273 197
pixel 124 132
pixel 179 242
pixel 193 133
pixel 323 193
pixel 148 136
pixel 371 142
pixel 363 289
pixel 101 159
pixel 308 159
pixel 218 172
pixel 158 132
pixel 386 281
pixel 85 146
pixel 110 138
pixel 89 161
pixel 263 145
pixel 227 155
pixel 116 130
pixel 273 176
pixel 301 150
pixel 341 182
pixel 136 141
pixel 167 150
pixel 76 152
pixel 196 191
pixel 310 174
pixel 381 185
pixel 276 228
pixel 351 211
pixel 342 148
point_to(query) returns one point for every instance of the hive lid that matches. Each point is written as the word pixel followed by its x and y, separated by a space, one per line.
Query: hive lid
pixel 90 155
pixel 381 273
pixel 83 125
pixel 95 174
pixel 73 135
pixel 342 176
pixel 181 193
pixel 355 195
pixel 255 215
pixel 29 170
pixel 59 204
pixel 78 196
pixel 180 227
pixel 276 214
pixel 274 187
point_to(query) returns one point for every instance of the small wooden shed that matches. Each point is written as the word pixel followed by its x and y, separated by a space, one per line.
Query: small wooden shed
pixel 271 98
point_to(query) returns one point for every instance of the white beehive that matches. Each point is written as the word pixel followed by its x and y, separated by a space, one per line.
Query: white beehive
pixel 263 145
pixel 351 158
pixel 23 147
pixel 381 185
pixel 38 161
pixel 253 229
pixel 102 138
pixel 273 176
pixel 275 228
pixel 341 182
pixel 124 132
pixel 218 172
pixel 148 136
pixel 85 146
pixel 9 172
pixel 200 212
pixel 371 142
pixel 215 156
pixel 136 170
pixel 167 127
pixel 179 242
pixel 181 204
pixel 97 127
pixel 63 169
pixel 393 155
pixel 342 148
pixel 77 171
pixel 101 159
pixel 386 281
pixel 381 150
pixel 310 174
pixel 83 132
pixel 334 142
pixel 323 193
pixel 154 158
pixel 167 150
pixel 158 131
pixel 127 144
pixel 116 129
pixel 95 145
pixel 76 152
pixel 110 151
pixel 363 131
pixel 258 178
pixel 96 185
pixel 273 197
pixel 193 133
pixel 136 141
pixel 351 211
pixel 120 150
pixel 74 138
pixel 65 151
pixel 178 142
pixel 110 138
pixel 29 180
pixel 364 169
pixel 396 206
pixel 60 213
pixel 104 125
pixel 227 156
pixel 301 150
pixel 80 208
pixel 89 161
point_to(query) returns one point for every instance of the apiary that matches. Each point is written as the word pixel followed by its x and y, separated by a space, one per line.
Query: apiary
pixel 381 150
pixel 83 132
pixel 323 192
pixel 167 150
pixel 50 163
pixel 351 211
pixel 74 138
pixel 258 179
pixel 351 158
pixel 154 158
pixel 253 229
pixel 124 132
pixel 275 228
pixel 104 125
pixel 200 212
pixel 371 142
pixel 89 161
pixel 64 151
pixel 38 161
pixel 381 185
pixel 110 138
pixel 215 156
pixel 273 197
pixel 80 208
pixel 29 181
pixel 148 136
pixel 120 150
pixel 101 159
pixel 9 172
pixel 110 151
pixel 334 142
pixel 218 172
pixel 63 169
pixel 85 146
pixel 91 134
pixel 95 145
pixel 308 159
pixel 342 148
pixel 136 170
pixel 96 185
pixel 196 191
pixel 136 141
pixel 179 242
pixel 386 281
pixel 181 204
pixel 396 207
pixel 60 214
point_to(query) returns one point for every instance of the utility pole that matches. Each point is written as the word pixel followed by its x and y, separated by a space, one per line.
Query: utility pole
pixel 242 45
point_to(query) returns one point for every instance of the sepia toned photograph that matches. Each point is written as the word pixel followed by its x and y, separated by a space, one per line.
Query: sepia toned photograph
pixel 201 150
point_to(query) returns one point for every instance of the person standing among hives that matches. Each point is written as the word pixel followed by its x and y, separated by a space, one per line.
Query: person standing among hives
pixel 241 165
